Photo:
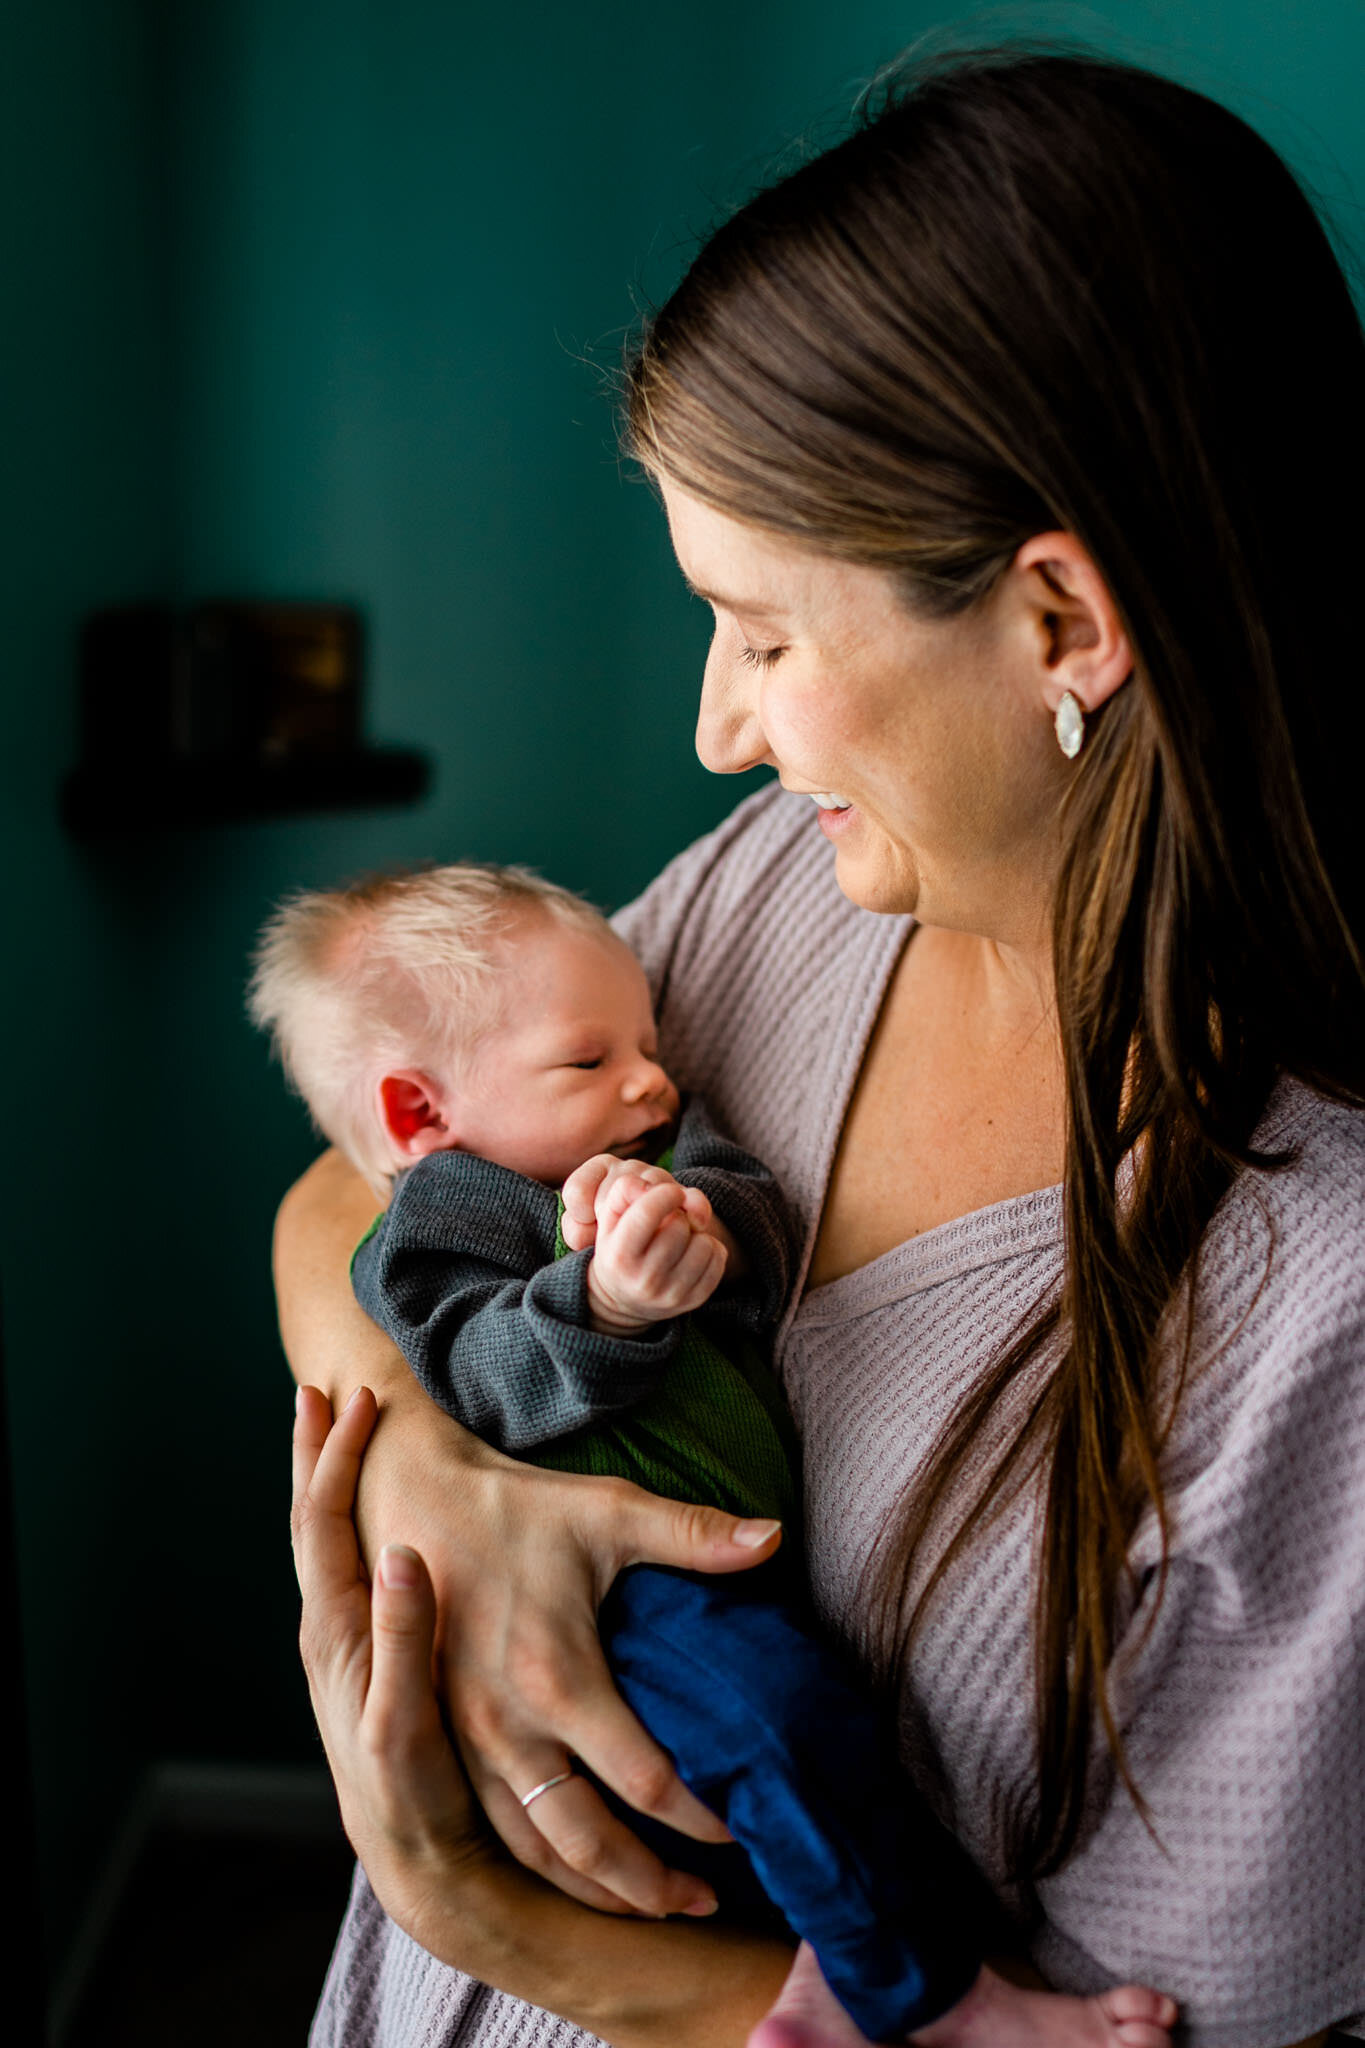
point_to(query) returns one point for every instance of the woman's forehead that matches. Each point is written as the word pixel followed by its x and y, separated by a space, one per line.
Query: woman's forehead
pixel 769 579
pixel 739 567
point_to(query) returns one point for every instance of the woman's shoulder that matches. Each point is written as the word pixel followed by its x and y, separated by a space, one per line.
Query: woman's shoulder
pixel 1310 1211
pixel 1276 1390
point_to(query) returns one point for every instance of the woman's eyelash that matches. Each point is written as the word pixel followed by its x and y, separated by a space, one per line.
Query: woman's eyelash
pixel 761 657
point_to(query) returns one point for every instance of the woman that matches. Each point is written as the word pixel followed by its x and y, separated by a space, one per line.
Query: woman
pixel 999 439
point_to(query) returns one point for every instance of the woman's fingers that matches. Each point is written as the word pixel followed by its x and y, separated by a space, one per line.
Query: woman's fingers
pixel 584 1836
pixel 577 1843
pixel 540 1690
pixel 403 1621
pixel 605 1735
pixel 367 1650
pixel 326 1467
pixel 419 1792
pixel 513 1823
pixel 312 1420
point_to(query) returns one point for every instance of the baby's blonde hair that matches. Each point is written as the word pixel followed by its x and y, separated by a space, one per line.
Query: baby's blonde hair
pixel 392 971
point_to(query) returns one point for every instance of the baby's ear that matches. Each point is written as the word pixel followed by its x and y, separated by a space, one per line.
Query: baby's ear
pixel 412 1107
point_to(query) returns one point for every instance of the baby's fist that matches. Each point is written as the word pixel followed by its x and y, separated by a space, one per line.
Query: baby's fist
pixel 655 1256
pixel 579 1195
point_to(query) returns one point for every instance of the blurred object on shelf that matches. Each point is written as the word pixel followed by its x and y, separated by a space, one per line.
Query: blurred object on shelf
pixel 224 711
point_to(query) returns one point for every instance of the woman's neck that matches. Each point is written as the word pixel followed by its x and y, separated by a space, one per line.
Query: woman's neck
pixel 959 1104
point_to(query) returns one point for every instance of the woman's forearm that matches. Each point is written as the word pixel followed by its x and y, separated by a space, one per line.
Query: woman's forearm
pixel 331 1344
pixel 633 1983
pixel 328 1339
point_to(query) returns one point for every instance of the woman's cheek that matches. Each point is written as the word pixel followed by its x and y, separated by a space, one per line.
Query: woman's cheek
pixel 807 728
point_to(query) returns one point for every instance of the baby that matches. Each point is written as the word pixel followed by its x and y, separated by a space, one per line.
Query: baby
pixel 577 1266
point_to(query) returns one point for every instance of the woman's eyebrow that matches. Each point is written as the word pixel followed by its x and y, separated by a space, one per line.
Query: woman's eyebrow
pixel 755 607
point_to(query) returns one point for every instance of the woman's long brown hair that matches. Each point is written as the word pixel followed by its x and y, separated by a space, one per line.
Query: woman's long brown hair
pixel 1037 290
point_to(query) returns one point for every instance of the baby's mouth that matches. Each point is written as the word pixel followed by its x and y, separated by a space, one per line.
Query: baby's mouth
pixel 648 1145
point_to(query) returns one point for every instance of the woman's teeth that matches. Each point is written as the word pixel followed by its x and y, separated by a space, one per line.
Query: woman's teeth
pixel 828 801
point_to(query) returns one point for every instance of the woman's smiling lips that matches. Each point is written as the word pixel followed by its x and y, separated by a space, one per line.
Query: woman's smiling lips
pixel 834 810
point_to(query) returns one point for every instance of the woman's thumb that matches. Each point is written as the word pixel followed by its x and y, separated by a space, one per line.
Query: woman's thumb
pixel 403 1619
pixel 698 1539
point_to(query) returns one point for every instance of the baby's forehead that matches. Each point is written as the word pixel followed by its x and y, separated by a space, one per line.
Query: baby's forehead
pixel 590 958
pixel 540 929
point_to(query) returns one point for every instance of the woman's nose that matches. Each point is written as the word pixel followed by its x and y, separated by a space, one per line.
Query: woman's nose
pixel 729 736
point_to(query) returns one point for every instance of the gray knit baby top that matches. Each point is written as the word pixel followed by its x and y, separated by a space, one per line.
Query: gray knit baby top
pixel 1242 1704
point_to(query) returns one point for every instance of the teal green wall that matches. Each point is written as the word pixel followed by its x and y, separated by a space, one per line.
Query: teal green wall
pixel 313 297
pixel 85 437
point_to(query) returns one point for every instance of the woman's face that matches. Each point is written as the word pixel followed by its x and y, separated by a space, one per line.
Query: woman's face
pixel 933 735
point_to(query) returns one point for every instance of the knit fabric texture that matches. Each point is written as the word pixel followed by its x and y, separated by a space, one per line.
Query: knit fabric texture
pixel 1241 1698
pixel 468 1272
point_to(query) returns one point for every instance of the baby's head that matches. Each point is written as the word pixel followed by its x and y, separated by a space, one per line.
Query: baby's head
pixel 469 1007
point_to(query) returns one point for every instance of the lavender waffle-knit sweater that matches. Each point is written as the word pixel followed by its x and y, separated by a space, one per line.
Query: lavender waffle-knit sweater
pixel 1243 1706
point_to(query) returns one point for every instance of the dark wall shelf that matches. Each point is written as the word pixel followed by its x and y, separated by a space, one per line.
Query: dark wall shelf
pixel 152 796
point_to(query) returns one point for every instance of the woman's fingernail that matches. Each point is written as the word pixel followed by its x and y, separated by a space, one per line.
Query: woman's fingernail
pixel 749 1535
pixel 354 1398
pixel 298 1399
pixel 398 1566
pixel 700 1908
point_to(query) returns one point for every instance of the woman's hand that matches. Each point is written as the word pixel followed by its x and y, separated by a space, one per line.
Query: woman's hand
pixel 369 1651
pixel 405 1804
pixel 520 1560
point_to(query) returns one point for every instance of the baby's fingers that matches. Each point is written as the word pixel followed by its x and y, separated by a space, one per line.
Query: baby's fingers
pixel 649 1211
pixel 696 1275
pixel 579 1194
pixel 698 1208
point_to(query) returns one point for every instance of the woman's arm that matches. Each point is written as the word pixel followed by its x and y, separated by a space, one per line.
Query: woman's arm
pixel 520 1560
pixel 408 1811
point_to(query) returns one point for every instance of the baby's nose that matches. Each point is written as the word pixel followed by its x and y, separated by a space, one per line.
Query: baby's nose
pixel 647 1078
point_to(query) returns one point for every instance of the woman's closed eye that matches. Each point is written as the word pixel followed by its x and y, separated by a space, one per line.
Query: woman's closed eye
pixel 761 657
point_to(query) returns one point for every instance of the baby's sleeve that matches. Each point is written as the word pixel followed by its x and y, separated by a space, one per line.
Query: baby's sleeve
pixel 1244 1710
pixel 461 1273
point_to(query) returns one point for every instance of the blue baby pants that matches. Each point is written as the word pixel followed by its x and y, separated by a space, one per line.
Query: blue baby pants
pixel 771 1729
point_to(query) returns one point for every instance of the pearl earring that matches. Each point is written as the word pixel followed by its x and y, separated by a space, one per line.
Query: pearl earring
pixel 1069 725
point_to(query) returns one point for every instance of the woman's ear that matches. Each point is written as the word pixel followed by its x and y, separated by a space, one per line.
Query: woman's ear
pixel 415 1111
pixel 1075 623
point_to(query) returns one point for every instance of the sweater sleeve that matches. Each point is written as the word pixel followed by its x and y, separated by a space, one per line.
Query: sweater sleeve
pixel 461 1273
pixel 748 1201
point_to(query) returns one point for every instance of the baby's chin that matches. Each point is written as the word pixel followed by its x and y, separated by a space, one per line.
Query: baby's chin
pixel 647 1149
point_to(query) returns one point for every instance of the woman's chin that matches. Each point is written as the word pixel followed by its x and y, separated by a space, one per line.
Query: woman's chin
pixel 883 884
